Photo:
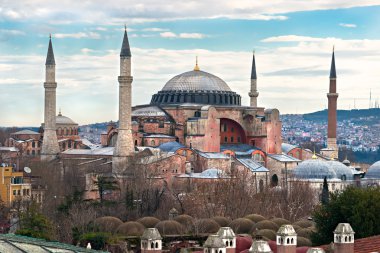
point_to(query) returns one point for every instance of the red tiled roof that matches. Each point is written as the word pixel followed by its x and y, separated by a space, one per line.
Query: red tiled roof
pixel 367 245
pixel 364 245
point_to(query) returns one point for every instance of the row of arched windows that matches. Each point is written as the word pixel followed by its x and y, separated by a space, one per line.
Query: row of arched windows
pixel 288 240
pixel 67 131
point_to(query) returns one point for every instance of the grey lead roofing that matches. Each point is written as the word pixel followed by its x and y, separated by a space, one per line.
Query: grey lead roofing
pixel 253 70
pixel 11 243
pixel 50 55
pixel 125 49
pixel 332 70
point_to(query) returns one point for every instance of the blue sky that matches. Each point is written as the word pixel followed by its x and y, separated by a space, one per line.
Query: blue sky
pixel 292 41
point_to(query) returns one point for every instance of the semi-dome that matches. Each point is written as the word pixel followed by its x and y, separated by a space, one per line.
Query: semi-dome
pixel 314 169
pixel 197 87
pixel 374 171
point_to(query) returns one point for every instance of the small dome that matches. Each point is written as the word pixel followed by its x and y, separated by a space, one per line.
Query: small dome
pixel 131 228
pixel 222 221
pixel 185 220
pixel 63 120
pixel 195 81
pixel 169 227
pixel 148 222
pixel 304 223
pixel 342 171
pixel 255 217
pixel 374 171
pixel 303 242
pixel 205 226
pixel 314 169
pixel 280 221
pixel 267 233
pixel 305 232
pixel 266 224
pixel 107 223
pixel 242 226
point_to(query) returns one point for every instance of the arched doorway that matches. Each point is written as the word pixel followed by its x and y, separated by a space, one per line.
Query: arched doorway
pixel 231 132
pixel 274 180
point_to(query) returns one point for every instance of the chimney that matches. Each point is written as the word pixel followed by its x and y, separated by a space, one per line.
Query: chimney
pixel 151 241
pixel 229 239
pixel 344 238
pixel 286 239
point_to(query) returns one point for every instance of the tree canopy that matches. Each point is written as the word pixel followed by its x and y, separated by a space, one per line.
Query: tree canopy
pixel 357 206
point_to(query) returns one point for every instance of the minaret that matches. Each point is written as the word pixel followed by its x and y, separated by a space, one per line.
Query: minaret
pixel 253 94
pixel 332 107
pixel 124 147
pixel 50 147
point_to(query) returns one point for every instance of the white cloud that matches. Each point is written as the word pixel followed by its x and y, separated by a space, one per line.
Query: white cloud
pixel 79 35
pixel 155 29
pixel 12 32
pixel 132 11
pixel 86 50
pixel 348 25
pixel 183 35
pixel 168 35
pixel 99 28
pixel 293 38
pixel 293 78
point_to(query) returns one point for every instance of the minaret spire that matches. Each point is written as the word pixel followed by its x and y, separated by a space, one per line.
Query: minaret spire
pixel 50 54
pixel 50 146
pixel 125 49
pixel 124 147
pixel 332 69
pixel 253 94
pixel 332 111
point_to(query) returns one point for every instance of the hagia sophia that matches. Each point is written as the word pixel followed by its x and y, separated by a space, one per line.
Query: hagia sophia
pixel 194 129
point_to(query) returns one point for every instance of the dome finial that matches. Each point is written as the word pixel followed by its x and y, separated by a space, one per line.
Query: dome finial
pixel 314 155
pixel 196 68
pixel 59 114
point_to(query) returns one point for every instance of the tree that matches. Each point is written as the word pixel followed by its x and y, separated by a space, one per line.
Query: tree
pixel 105 184
pixel 357 206
pixel 34 224
pixel 325 192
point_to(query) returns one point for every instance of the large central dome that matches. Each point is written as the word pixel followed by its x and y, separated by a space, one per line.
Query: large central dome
pixel 198 87
pixel 196 80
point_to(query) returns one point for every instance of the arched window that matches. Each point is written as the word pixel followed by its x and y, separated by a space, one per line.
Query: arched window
pixel 135 142
pixel 292 241
pixel 274 180
pixel 152 245
pixel 287 241
pixel 156 245
pixel 231 243
pixel 226 243
pixel 345 238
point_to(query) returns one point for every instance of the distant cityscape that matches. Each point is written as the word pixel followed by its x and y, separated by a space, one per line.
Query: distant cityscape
pixel 359 134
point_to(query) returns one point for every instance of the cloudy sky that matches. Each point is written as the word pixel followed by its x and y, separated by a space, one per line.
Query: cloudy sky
pixel 292 39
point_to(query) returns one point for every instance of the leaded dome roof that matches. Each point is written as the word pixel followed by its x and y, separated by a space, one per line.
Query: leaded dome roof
pixel 196 80
pixel 60 119
pixel 374 171
pixel 341 170
pixel 314 169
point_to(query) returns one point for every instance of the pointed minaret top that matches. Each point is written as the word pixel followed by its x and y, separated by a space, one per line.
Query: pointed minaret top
pixel 125 49
pixel 253 71
pixel 50 54
pixel 332 70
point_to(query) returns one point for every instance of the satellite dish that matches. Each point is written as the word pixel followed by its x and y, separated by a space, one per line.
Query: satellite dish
pixel 27 170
